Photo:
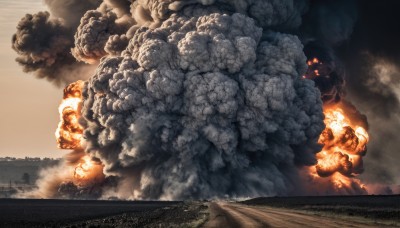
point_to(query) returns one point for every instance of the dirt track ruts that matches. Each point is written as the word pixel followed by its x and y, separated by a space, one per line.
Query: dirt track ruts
pixel 238 215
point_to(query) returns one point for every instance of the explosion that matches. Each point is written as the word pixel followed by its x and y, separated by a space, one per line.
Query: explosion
pixel 344 138
pixel 69 135
pixel 197 99
pixel 88 171
pixel 69 131
pixel 344 146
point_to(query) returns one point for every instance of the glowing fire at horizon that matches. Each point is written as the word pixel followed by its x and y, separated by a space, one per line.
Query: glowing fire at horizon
pixel 313 68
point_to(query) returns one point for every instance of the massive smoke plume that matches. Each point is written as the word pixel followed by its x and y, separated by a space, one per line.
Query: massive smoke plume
pixel 203 106
pixel 200 99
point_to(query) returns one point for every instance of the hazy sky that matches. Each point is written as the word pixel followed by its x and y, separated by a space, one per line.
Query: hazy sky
pixel 28 106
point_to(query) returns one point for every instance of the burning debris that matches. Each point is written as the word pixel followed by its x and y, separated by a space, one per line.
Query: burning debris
pixel 205 99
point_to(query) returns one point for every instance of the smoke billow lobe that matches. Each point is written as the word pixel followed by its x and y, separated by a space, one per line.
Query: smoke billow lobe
pixel 43 41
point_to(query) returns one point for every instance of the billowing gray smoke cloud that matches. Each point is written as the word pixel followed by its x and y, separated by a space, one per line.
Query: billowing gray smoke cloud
pixel 43 41
pixel 93 34
pixel 207 104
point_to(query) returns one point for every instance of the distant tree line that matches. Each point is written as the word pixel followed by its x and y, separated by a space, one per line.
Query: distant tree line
pixel 28 159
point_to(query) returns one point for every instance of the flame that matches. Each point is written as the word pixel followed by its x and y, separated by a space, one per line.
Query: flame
pixel 337 183
pixel 69 135
pixel 313 61
pixel 344 145
pixel 87 171
pixel 83 168
pixel 344 141
pixel 69 131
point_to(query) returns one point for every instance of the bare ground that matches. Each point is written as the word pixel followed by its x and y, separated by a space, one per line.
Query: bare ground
pixel 187 214
pixel 239 215
pixel 354 211
pixel 58 213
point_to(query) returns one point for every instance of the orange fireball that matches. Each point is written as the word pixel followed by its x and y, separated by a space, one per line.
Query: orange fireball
pixel 344 144
pixel 69 131
pixel 69 136
pixel 88 171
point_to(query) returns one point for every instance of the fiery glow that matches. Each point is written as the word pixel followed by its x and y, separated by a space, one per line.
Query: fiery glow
pixel 344 138
pixel 313 68
pixel 69 131
pixel 81 171
pixel 88 170
pixel 344 145
pixel 313 61
pixel 84 171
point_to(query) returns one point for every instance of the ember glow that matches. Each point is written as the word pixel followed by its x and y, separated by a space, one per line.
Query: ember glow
pixel 313 61
pixel 69 131
pixel 313 70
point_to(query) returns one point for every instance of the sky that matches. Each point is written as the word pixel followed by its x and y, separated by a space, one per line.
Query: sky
pixel 29 114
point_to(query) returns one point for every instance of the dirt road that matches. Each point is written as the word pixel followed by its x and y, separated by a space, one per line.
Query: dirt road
pixel 238 215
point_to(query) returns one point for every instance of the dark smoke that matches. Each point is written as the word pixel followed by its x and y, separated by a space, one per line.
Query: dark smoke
pixel 330 22
pixel 197 98
pixel 325 27
pixel 43 41
pixel 331 78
